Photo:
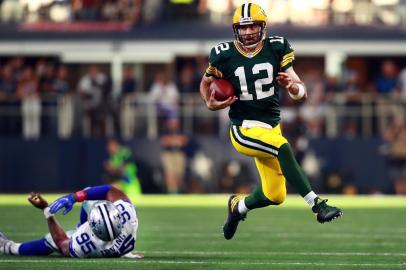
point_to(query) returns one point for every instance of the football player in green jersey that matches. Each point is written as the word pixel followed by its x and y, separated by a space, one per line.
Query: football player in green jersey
pixel 257 66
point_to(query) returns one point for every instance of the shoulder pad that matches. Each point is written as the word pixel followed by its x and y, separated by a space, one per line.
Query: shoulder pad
pixel 218 58
pixel 276 40
pixel 221 50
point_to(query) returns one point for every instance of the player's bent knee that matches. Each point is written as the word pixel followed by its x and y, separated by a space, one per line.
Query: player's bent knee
pixel 277 198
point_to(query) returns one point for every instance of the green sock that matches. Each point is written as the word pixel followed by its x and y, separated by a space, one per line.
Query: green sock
pixel 257 199
pixel 292 171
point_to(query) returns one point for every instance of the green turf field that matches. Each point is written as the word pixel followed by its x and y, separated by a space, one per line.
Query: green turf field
pixel 184 232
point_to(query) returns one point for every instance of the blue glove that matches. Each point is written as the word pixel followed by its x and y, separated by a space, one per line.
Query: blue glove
pixel 66 202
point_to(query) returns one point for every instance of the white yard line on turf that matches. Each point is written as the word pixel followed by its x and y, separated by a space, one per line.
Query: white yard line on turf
pixel 276 253
pixel 145 261
pixel 376 244
pixel 259 228
pixel 284 235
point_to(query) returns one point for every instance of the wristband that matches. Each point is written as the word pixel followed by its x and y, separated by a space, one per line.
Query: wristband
pixel 80 196
pixel 92 193
pixel 47 214
pixel 300 94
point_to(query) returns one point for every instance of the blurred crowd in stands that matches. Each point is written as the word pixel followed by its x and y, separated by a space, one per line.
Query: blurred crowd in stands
pixel 30 80
pixel 361 102
pixel 311 12
pixel 43 97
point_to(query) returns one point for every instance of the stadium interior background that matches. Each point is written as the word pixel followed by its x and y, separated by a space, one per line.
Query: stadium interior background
pixel 74 74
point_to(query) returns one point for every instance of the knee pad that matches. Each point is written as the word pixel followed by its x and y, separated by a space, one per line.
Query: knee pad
pixel 276 197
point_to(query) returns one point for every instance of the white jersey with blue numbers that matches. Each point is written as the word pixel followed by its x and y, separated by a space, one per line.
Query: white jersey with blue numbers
pixel 84 244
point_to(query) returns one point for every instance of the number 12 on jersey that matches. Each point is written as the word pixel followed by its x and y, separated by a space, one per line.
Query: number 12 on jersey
pixel 259 83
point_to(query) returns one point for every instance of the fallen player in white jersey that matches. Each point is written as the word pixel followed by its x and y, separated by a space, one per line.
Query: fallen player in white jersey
pixel 108 226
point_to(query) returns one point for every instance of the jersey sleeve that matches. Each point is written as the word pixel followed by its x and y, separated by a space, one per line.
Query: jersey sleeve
pixel 215 67
pixel 129 216
pixel 288 55
pixel 126 242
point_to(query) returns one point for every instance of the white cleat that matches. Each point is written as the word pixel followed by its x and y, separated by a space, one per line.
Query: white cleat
pixel 2 236
pixel 5 245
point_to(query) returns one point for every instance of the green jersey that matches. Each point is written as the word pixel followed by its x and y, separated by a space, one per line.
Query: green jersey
pixel 130 183
pixel 253 77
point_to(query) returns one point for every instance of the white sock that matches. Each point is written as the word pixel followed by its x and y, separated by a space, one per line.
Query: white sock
pixel 14 248
pixel 242 208
pixel 309 198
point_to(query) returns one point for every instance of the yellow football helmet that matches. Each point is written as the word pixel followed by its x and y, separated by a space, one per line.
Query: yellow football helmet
pixel 247 14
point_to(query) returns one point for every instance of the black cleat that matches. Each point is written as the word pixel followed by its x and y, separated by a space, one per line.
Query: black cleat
pixel 325 212
pixel 234 217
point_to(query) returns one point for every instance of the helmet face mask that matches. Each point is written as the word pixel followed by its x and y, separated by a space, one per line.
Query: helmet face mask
pixel 105 221
pixel 252 39
pixel 249 15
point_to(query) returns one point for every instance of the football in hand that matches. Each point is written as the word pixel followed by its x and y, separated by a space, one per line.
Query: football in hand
pixel 223 89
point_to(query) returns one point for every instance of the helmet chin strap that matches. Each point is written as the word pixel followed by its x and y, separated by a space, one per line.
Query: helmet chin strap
pixel 252 46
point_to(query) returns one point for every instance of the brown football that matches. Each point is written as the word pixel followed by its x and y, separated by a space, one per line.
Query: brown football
pixel 223 89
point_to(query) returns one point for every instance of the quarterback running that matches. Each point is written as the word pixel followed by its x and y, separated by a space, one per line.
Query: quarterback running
pixel 258 67
pixel 107 228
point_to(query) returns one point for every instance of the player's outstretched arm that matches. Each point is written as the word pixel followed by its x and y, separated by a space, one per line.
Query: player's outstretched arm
pixel 291 81
pixel 208 96
pixel 115 194
pixel 104 192
pixel 58 235
pixel 57 232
